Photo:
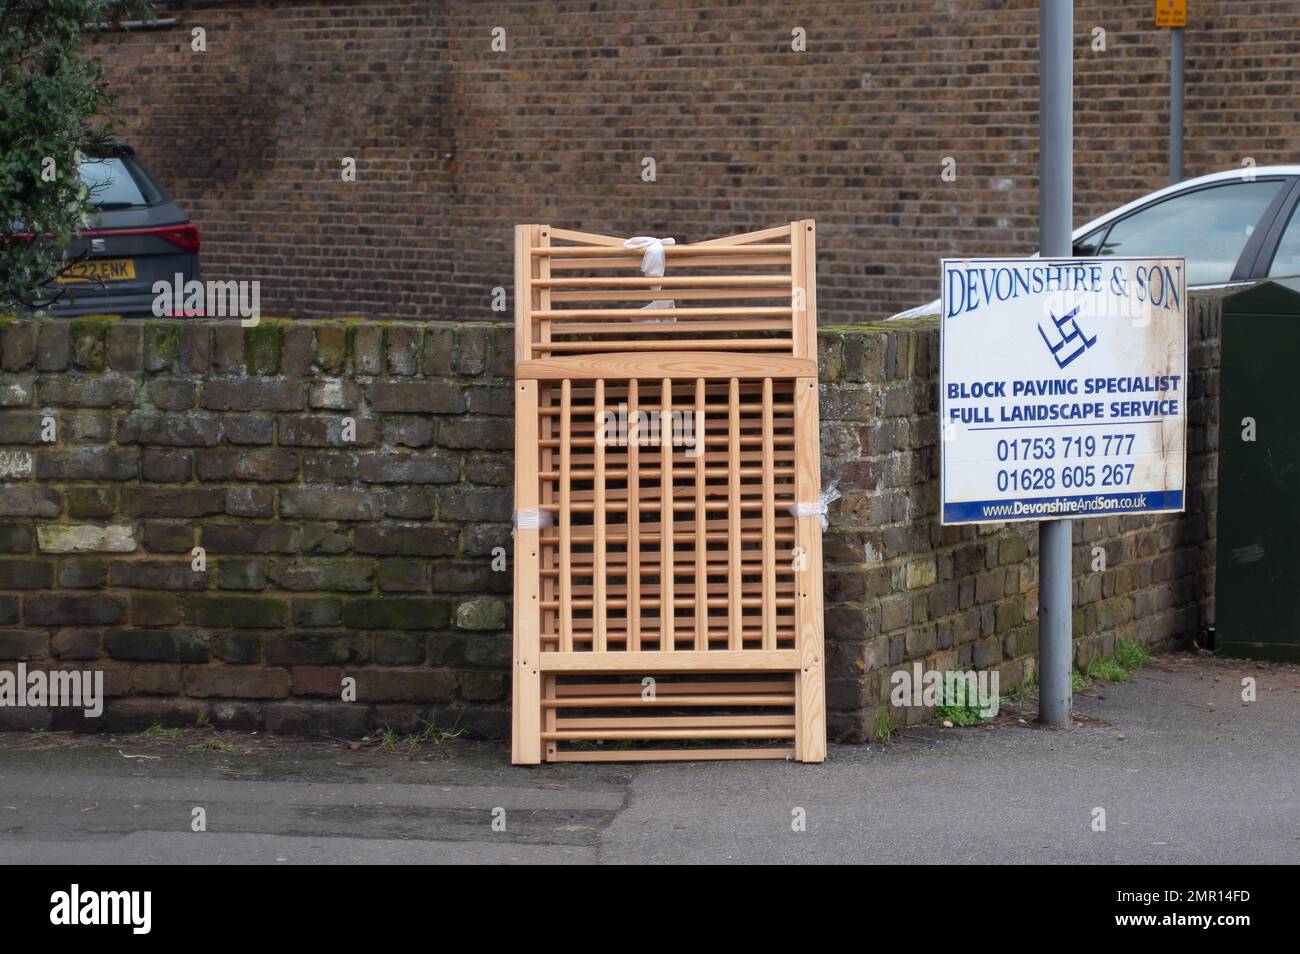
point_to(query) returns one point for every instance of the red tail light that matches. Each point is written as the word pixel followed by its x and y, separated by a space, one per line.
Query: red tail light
pixel 184 237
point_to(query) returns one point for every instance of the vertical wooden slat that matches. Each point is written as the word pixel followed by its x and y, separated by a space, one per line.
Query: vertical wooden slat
pixel 550 584
pixel 810 687
pixel 526 713
pixel 735 613
pixel 769 521
pixel 542 269
pixel 809 229
pixel 666 572
pixel 633 521
pixel 802 347
pixel 810 693
pixel 549 747
pixel 598 640
pixel 701 547
pixel 526 745
pixel 525 236
pixel 566 532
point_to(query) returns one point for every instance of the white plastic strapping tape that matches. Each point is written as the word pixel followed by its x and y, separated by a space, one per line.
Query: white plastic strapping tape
pixel 531 519
pixel 818 507
pixel 652 263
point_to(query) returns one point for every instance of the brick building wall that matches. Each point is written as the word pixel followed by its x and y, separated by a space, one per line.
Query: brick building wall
pixel 456 142
pixel 371 558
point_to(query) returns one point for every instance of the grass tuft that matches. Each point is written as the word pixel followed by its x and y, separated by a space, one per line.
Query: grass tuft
pixel 1107 670
pixel 160 731
pixel 214 745
pixel 1132 655
pixel 1025 691
pixel 885 726
pixel 430 734
pixel 958 710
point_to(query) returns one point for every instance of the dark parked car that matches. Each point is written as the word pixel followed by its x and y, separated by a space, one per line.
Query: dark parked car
pixel 142 237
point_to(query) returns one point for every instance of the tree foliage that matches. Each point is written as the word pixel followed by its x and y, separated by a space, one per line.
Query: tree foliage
pixel 53 98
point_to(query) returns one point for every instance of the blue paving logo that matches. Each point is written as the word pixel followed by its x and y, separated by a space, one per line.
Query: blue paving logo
pixel 1073 341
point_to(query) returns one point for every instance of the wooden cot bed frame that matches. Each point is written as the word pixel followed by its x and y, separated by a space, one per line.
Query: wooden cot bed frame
pixel 667 601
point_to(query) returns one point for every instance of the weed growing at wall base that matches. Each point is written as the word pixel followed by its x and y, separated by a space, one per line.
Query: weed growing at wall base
pixel 1106 670
pixel 885 727
pixel 961 704
pixel 1132 655
pixel 965 697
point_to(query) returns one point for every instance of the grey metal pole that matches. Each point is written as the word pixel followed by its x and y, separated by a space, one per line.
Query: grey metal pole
pixel 1175 105
pixel 1055 201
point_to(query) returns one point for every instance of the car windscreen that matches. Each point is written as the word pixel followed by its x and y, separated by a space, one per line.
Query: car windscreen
pixel 118 182
pixel 1208 226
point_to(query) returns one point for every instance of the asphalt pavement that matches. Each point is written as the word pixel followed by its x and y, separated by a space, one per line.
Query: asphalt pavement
pixel 1184 770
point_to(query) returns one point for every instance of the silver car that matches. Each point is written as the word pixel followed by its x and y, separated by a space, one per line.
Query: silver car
pixel 1232 227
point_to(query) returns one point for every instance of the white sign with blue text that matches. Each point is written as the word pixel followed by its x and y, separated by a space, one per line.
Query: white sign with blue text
pixel 1063 388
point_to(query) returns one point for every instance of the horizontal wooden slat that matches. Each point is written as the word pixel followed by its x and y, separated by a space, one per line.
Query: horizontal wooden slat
pixel 669 702
pixel 749 685
pixel 783 441
pixel 650 327
pixel 773 660
pixel 680 505
pixel 617 624
pixel 680 602
pixel 666 281
pixel 715 311
pixel 616 632
pixel 746 238
pixel 716 562
pixel 684 344
pixel 678 293
pixel 669 755
pixel 652 536
pixel 598 722
pixel 617 735
pixel 672 251
pixel 702 364
pixel 586 238
pixel 587 263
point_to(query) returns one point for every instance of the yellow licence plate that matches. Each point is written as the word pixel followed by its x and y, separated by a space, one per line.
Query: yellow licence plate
pixel 99 270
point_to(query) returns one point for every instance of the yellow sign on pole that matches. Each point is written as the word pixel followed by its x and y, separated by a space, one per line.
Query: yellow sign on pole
pixel 1171 13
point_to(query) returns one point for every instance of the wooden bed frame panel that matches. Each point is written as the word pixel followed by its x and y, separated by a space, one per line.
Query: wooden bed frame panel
pixel 664 593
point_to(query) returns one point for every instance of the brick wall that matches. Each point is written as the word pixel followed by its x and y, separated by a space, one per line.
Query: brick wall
pixel 455 142
pixel 372 557
pixel 325 557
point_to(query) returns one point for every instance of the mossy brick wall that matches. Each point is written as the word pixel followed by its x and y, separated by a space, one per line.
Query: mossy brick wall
pixel 325 558
pixel 900 587
pixel 373 558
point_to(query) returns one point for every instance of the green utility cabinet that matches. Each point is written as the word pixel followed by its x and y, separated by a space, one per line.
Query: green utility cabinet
pixel 1257 587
